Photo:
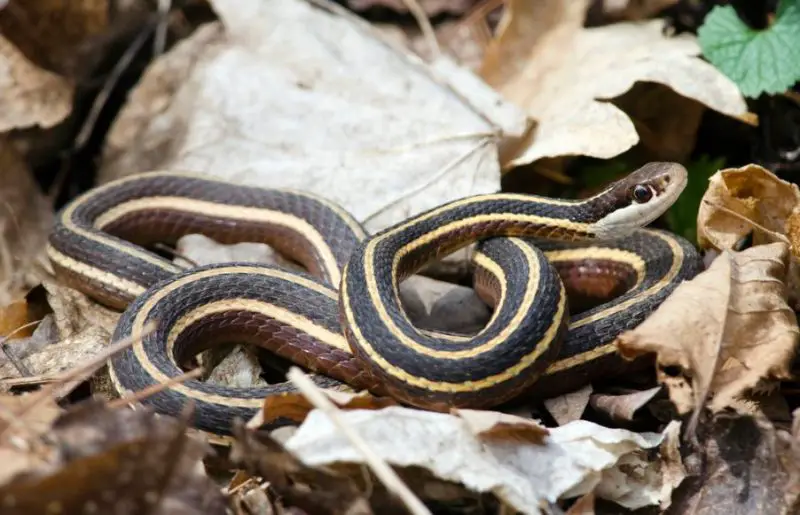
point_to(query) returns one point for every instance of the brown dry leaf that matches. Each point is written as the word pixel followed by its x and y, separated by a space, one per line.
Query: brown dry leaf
pixel 634 9
pixel 295 406
pixel 741 465
pixel 49 31
pixel 673 471
pixel 569 407
pixel 312 490
pixel 117 462
pixel 25 217
pixel 29 95
pixel 545 61
pixel 736 195
pixel 622 408
pixel 13 318
pixel 23 420
pixel 583 506
pixel 497 427
pixel 723 332
pixel 83 329
pixel 430 7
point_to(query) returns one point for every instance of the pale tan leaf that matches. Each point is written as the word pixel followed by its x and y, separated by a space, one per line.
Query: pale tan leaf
pixel 283 93
pixel 569 407
pixel 571 461
pixel 622 408
pixel 25 217
pixel 545 61
pixel 724 332
pixel 29 95
pixel 738 195
pixel 493 425
pixel 583 506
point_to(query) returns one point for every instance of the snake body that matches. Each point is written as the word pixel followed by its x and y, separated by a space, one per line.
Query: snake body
pixel 343 318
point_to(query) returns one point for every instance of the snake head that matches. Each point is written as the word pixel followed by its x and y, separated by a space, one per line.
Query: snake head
pixel 639 198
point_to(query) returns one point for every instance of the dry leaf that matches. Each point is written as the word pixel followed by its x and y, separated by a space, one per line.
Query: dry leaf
pixel 13 318
pixel 25 216
pixel 742 465
pixel 497 427
pixel 622 408
pixel 673 472
pixel 295 406
pixel 29 95
pixel 312 490
pixel 430 7
pixel 571 460
pixel 49 32
pixel 118 462
pixel 244 99
pixel 723 332
pixel 83 329
pixel 569 407
pixel 736 195
pixel 545 61
pixel 583 506
pixel 634 9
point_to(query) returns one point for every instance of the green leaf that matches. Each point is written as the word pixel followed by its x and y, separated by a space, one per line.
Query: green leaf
pixel 758 61
pixel 682 216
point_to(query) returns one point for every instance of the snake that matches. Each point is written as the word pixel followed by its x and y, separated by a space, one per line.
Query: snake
pixel 339 314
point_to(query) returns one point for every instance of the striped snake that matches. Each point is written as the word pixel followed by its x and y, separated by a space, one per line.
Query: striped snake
pixel 343 318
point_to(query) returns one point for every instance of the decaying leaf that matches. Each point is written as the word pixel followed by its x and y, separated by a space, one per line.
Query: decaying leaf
pixel 83 329
pixel 118 462
pixel 570 461
pixel 569 407
pixel 622 408
pixel 545 61
pixel 295 406
pixel 312 490
pixel 737 196
pixel 741 464
pixel 429 7
pixel 724 332
pixel 49 32
pixel 493 425
pixel 29 95
pixel 25 215
pixel 243 99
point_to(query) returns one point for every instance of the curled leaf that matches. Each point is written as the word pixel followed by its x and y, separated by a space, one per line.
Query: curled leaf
pixel 738 197
pixel 724 332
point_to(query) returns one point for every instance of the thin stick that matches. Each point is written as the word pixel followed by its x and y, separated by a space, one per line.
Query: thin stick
pixel 75 377
pixel 382 470
pixel 11 356
pixel 425 26
pixel 116 73
pixel 155 388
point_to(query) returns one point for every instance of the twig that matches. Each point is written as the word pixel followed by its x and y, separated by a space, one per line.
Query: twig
pixel 425 26
pixel 160 39
pixel 153 389
pixel 381 469
pixel 102 97
pixel 73 378
pixel 11 356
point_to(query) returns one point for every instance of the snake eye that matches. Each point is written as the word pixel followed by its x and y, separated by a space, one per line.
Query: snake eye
pixel 642 193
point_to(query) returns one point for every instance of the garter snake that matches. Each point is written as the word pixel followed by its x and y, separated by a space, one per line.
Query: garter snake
pixel 343 318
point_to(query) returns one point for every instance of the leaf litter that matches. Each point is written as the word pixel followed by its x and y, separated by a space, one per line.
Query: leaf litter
pixel 305 94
